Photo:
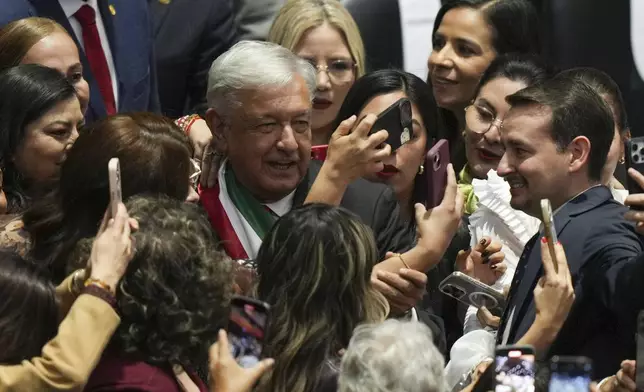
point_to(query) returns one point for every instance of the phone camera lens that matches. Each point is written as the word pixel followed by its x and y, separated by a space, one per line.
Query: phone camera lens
pixel 455 292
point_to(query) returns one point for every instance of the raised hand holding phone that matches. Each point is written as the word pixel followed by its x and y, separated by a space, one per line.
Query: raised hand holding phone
pixel 114 172
pixel 554 293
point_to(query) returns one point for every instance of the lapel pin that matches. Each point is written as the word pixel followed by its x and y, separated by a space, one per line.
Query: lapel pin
pixel 164 2
pixel 112 10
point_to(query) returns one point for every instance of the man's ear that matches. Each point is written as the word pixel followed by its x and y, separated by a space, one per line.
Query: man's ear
pixel 218 129
pixel 579 150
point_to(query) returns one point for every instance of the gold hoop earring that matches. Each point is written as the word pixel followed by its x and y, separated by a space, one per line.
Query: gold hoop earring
pixel 421 169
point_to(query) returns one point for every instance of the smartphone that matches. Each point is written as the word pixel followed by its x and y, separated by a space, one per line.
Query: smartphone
pixel 472 292
pixel 515 369
pixel 570 374
pixel 246 329
pixel 318 153
pixel 634 158
pixel 114 172
pixel 549 228
pixel 436 161
pixel 396 120
pixel 639 365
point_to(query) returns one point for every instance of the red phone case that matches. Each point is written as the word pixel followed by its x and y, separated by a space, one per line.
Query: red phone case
pixel 436 162
pixel 319 152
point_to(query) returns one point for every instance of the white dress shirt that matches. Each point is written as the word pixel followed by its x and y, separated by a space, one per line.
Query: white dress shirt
pixel 70 7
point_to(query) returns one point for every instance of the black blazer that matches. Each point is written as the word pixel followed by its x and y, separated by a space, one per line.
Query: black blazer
pixel 188 36
pixel 599 243
pixel 129 35
pixel 377 207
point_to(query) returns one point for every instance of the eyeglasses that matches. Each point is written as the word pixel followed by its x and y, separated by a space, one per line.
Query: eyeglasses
pixel 339 71
pixel 195 173
pixel 480 120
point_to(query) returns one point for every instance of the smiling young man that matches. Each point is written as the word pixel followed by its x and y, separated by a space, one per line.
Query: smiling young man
pixel 556 137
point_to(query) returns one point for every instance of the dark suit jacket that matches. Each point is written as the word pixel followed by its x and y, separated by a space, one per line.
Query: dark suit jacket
pixel 599 243
pixel 130 37
pixel 188 37
pixel 377 207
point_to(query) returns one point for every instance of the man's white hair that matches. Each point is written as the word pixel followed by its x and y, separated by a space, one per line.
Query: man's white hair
pixel 392 356
pixel 253 65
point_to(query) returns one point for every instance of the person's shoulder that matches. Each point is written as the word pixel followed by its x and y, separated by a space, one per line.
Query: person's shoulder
pixel 117 371
pixel 369 190
pixel 15 9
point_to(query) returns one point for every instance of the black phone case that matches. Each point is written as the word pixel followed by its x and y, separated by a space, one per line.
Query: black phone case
pixel 396 120
pixel 634 157
pixel 639 366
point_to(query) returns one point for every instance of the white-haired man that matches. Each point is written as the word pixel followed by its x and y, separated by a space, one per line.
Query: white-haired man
pixel 259 97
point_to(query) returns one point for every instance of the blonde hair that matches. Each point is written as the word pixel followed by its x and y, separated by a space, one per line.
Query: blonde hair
pixel 297 17
pixel 17 37
pixel 314 270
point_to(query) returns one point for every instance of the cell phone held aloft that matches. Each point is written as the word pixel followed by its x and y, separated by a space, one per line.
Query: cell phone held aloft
pixel 114 173
pixel 570 374
pixel 472 292
pixel 515 368
pixel 396 120
pixel 246 329
pixel 435 172
pixel 549 228
pixel 639 363
pixel 634 158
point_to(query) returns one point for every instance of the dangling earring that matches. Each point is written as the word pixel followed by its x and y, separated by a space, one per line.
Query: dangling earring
pixel 421 169
pixel 622 160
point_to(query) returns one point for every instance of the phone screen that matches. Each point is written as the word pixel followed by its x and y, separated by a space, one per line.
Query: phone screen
pixel 246 329
pixel 514 371
pixel 570 375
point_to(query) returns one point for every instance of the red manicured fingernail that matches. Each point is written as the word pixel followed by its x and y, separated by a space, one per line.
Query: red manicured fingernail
pixel 544 240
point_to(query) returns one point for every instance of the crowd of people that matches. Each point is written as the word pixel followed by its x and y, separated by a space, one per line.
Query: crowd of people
pixel 225 193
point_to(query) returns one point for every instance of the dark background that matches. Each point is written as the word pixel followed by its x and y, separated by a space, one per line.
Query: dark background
pixel 589 33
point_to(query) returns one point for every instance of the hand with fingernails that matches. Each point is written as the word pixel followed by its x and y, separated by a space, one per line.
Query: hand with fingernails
pixel 113 248
pixel 485 262
pixel 353 152
pixel 554 296
pixel 225 373
pixel 636 202
pixel 623 380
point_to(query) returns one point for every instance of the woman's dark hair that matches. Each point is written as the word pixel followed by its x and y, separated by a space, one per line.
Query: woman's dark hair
pixel 155 159
pixel 28 310
pixel 175 294
pixel 606 87
pixel 514 23
pixel 526 68
pixel 314 269
pixel 388 81
pixel 27 92
pixel 515 29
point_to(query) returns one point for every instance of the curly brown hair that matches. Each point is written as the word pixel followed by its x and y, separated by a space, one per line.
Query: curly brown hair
pixel 176 292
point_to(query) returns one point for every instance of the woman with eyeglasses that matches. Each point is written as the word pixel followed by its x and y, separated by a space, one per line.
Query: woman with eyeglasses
pixel 324 33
